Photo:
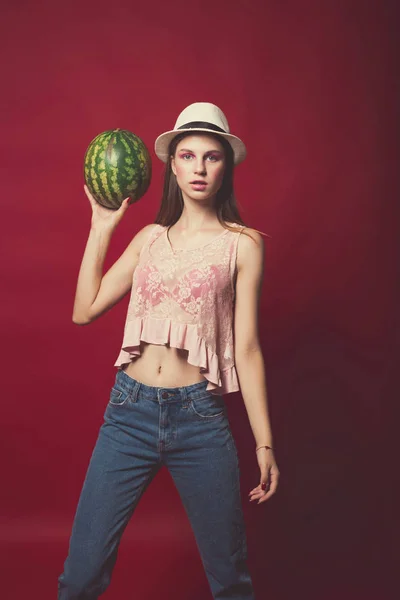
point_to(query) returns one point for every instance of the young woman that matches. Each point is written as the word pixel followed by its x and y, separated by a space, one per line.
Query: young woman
pixel 190 337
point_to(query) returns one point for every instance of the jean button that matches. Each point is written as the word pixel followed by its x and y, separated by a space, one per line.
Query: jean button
pixel 164 395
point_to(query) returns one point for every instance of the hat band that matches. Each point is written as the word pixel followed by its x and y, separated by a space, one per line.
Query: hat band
pixel 201 125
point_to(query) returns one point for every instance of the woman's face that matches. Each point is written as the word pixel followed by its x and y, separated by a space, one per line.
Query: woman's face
pixel 199 165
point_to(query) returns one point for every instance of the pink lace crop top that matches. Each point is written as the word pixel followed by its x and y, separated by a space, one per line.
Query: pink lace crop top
pixel 185 298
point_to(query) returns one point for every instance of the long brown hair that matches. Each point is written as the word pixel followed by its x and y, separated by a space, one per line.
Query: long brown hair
pixel 225 205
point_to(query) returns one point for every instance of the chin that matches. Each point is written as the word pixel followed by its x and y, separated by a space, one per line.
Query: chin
pixel 202 198
pixel 199 195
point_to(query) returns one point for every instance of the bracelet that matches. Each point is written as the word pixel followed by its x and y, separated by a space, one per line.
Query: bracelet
pixel 264 447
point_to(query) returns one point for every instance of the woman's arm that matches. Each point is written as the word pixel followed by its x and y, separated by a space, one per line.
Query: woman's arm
pixel 248 354
pixel 250 363
pixel 95 293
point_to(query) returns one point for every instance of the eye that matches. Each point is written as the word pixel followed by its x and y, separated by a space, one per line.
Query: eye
pixel 213 157
pixel 184 156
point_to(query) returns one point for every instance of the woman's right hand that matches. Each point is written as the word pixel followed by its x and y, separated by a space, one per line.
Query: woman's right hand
pixel 105 218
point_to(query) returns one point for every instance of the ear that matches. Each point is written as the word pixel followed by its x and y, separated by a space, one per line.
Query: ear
pixel 173 167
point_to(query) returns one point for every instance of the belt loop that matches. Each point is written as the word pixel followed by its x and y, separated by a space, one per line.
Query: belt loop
pixel 135 391
pixel 184 396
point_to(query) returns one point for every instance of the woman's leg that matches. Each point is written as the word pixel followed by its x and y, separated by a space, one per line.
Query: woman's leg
pixel 123 463
pixel 206 475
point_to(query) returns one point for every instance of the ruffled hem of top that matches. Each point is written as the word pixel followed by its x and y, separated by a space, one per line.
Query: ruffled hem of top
pixel 178 335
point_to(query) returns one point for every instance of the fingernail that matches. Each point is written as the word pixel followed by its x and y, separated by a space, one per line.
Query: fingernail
pixel 263 486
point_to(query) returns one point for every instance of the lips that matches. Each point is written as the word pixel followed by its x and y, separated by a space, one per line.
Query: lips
pixel 198 185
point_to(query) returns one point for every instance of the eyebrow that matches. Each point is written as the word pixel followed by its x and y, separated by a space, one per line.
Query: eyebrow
pixel 208 151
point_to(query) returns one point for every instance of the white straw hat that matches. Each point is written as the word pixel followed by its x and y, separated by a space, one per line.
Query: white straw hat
pixel 201 116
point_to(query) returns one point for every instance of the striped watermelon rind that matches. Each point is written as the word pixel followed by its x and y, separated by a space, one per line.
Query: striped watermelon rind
pixel 117 164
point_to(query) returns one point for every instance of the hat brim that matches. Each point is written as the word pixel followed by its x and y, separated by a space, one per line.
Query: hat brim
pixel 163 141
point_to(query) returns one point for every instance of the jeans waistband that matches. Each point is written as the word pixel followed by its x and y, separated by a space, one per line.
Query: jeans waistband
pixel 161 394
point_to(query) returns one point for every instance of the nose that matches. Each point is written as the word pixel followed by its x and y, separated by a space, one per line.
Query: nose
pixel 200 166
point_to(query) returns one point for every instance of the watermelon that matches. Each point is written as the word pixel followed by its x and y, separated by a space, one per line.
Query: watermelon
pixel 117 164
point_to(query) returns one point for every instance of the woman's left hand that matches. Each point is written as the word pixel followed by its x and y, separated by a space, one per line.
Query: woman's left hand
pixel 269 476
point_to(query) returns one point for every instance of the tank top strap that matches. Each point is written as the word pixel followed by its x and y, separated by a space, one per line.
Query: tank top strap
pixel 233 252
pixel 153 235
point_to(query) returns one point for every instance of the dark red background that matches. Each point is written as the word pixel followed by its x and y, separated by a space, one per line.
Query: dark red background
pixel 311 88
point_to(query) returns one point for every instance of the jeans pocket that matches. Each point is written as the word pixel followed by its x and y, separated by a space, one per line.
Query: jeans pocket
pixel 209 406
pixel 118 396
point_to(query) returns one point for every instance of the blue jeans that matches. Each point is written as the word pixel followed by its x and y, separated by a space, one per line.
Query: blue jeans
pixel 146 427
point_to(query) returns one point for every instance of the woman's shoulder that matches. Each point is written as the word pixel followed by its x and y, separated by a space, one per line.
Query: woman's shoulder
pixel 157 227
pixel 144 234
pixel 236 226
pixel 153 228
pixel 148 229
pixel 239 228
pixel 251 235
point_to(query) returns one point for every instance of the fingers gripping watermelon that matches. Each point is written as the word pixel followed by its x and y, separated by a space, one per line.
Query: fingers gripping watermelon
pixel 117 164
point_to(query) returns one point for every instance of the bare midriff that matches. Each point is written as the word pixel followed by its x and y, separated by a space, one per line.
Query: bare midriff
pixel 163 366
